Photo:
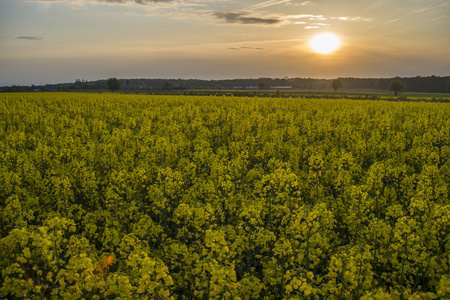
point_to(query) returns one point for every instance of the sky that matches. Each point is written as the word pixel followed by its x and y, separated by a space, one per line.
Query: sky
pixel 57 41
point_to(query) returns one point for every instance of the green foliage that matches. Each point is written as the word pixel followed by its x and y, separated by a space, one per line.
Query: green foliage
pixel 138 197
pixel 396 86
pixel 336 84
pixel 114 84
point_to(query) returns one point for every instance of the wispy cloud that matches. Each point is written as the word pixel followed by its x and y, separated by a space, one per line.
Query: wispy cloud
pixel 306 16
pixel 31 38
pixel 353 19
pixel 276 2
pixel 141 2
pixel 392 21
pixel 245 18
pixel 209 11
pixel 310 20
pixel 267 4
pixel 304 3
pixel 246 48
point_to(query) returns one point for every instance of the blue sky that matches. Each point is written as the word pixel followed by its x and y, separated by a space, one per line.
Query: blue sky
pixel 52 41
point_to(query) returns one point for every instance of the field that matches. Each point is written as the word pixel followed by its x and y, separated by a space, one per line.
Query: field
pixel 109 196
pixel 351 94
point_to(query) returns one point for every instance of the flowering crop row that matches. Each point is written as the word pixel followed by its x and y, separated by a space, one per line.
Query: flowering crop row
pixel 178 197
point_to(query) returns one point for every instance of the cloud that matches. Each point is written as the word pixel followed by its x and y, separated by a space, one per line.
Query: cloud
pixel 244 18
pixel 31 38
pixel 310 20
pixel 246 48
pixel 141 2
pixel 267 4
pixel 305 16
pixel 392 21
pixel 354 19
pixel 301 18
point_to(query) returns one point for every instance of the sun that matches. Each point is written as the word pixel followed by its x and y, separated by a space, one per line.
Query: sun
pixel 325 43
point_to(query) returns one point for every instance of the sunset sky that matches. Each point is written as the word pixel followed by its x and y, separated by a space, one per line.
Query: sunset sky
pixel 56 41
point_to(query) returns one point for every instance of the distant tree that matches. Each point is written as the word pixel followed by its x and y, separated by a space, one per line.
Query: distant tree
pixel 167 86
pixel 114 84
pixel 78 84
pixel 261 85
pixel 396 86
pixel 336 84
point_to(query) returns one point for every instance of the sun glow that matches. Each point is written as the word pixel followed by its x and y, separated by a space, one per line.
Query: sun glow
pixel 325 43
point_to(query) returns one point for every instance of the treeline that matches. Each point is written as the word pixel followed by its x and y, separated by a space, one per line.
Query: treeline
pixel 429 84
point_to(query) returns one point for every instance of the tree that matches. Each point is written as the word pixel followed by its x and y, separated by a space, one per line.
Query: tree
pixel 167 86
pixel 114 84
pixel 396 86
pixel 336 84
pixel 261 86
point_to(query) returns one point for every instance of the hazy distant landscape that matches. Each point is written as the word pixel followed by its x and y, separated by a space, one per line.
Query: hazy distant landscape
pixel 437 86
